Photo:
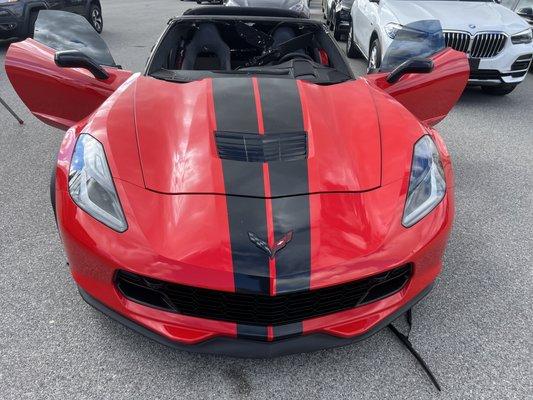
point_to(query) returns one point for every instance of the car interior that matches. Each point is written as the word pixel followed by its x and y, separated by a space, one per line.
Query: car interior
pixel 195 48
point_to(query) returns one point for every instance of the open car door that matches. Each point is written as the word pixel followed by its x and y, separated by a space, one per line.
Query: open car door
pixel 429 95
pixel 57 95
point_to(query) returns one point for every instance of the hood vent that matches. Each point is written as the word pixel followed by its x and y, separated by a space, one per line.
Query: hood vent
pixel 253 147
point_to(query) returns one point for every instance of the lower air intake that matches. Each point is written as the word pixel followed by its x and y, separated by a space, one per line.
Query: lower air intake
pixel 262 310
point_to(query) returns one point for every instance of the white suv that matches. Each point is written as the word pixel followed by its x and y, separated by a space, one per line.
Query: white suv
pixel 498 41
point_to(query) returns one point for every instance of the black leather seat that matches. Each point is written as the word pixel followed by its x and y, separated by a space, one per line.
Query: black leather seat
pixel 207 40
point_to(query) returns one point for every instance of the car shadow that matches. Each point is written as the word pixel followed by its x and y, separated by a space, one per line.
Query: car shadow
pixel 474 96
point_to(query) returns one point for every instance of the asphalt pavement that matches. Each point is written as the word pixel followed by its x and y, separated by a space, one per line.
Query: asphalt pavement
pixel 474 329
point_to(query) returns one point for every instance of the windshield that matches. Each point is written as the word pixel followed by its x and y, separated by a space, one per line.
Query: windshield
pixel 418 39
pixel 524 4
pixel 61 30
pixel 195 48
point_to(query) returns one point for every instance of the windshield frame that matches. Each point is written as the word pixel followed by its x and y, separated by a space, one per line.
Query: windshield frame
pixel 149 69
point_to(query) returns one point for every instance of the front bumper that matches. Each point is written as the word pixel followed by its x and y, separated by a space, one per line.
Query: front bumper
pixel 342 254
pixel 94 269
pixel 510 66
pixel 245 348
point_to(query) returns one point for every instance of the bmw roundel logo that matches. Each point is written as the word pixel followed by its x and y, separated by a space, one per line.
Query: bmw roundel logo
pixel 472 26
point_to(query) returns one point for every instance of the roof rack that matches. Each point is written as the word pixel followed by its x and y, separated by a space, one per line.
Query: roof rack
pixel 243 11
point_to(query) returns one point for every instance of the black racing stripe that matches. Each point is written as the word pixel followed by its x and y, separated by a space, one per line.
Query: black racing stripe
pixel 236 112
pixel 253 332
pixel 282 113
pixel 287 331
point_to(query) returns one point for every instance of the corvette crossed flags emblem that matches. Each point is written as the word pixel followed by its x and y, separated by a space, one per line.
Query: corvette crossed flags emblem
pixel 263 245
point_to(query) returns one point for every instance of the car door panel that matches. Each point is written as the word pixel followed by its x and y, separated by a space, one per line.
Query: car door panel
pixel 61 96
pixel 431 96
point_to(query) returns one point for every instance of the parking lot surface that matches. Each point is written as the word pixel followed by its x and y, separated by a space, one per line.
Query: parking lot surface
pixel 474 329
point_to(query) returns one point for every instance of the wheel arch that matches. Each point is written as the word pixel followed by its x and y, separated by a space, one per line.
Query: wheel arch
pixel 373 36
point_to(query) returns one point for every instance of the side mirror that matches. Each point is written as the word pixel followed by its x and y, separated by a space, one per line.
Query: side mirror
pixel 412 66
pixel 498 1
pixel 525 12
pixel 76 59
pixel 374 1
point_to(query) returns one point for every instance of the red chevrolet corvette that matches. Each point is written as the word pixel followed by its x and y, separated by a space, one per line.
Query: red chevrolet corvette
pixel 246 194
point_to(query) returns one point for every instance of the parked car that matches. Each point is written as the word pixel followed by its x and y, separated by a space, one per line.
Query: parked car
pixel 246 194
pixel 298 6
pixel 498 42
pixel 17 17
pixel 338 17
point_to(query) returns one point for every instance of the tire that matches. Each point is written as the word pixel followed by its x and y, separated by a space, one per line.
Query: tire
pixel 31 22
pixel 337 34
pixel 499 90
pixel 95 17
pixel 351 48
pixel 374 56
pixel 330 20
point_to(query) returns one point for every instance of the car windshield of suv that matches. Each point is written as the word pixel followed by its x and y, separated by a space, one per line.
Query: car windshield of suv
pixel 196 48
pixel 524 4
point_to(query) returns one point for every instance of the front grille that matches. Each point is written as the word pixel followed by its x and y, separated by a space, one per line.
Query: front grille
pixel 482 45
pixel 256 309
pixel 459 41
pixel 488 45
pixel 252 147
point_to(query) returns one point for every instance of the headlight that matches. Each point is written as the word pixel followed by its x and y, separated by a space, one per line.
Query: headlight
pixel 91 186
pixel 392 28
pixel 427 184
pixel 523 37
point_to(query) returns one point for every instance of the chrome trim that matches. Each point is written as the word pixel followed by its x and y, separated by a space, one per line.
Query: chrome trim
pixel 485 44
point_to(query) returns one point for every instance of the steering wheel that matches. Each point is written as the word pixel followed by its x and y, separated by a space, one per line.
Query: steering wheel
pixel 294 54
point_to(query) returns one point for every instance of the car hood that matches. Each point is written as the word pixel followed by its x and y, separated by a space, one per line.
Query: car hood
pixel 176 126
pixel 459 15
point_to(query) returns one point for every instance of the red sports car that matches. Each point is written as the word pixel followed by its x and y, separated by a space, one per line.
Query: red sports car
pixel 246 194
